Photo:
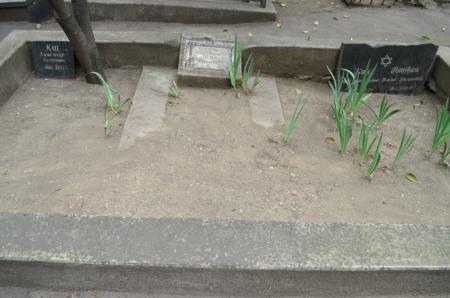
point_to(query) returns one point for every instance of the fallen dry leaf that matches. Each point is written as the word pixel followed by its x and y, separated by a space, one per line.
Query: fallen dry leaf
pixel 330 140
pixel 411 177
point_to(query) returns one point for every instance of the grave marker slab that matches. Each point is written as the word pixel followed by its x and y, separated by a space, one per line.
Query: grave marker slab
pixel 205 61
pixel 53 59
pixel 400 69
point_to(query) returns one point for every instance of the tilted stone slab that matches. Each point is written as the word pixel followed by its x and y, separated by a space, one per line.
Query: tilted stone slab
pixel 149 105
pixel 265 103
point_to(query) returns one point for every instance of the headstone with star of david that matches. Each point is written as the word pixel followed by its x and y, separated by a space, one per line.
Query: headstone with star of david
pixel 401 69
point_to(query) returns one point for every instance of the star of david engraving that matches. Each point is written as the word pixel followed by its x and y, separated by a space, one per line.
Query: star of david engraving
pixel 386 60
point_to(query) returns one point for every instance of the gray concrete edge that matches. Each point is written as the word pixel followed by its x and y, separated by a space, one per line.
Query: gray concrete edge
pixel 301 58
pixel 221 256
pixel 179 11
pixel 225 244
pixel 441 73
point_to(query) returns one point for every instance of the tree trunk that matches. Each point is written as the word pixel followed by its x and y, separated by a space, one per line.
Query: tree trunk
pixel 83 50
pixel 82 14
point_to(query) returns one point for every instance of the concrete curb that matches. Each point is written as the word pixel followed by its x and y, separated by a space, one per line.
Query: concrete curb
pixel 301 58
pixel 222 257
pixel 215 257
pixel 179 11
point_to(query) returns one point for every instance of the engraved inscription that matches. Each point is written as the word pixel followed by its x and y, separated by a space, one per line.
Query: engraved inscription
pixel 53 59
pixel 399 68
pixel 206 57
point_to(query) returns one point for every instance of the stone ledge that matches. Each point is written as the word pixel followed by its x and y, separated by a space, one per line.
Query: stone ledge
pixel 194 255
pixel 180 11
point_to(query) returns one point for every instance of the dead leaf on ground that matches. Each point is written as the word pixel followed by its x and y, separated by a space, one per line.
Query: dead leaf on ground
pixel 411 177
pixel 425 37
pixel 330 140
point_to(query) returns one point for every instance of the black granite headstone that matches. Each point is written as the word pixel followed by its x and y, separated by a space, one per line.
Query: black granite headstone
pixel 400 69
pixel 53 59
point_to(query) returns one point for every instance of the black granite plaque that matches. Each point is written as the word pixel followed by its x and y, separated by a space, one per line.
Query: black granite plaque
pixel 400 69
pixel 53 59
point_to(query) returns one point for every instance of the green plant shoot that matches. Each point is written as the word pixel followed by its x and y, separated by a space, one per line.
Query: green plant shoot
pixel 174 90
pixel 406 144
pixel 235 62
pixel 246 75
pixel 442 129
pixel 376 158
pixel 345 128
pixel 295 117
pixel 445 153
pixel 364 146
pixel 110 102
pixel 385 112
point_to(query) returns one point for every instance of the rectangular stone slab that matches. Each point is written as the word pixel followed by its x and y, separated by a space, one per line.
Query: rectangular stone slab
pixel 265 104
pixel 402 69
pixel 149 105
pixel 205 61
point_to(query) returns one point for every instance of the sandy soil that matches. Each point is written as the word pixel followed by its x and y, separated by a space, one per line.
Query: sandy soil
pixel 210 160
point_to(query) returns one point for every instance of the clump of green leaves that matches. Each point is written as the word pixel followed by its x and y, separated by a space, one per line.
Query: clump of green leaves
pixel 248 72
pixel 376 158
pixel 111 104
pixel 344 124
pixel 174 90
pixel 346 105
pixel 406 144
pixel 357 88
pixel 442 132
pixel 235 62
pixel 386 111
pixel 295 116
pixel 364 145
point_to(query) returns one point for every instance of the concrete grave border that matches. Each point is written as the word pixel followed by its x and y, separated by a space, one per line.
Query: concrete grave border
pixel 215 257
pixel 180 11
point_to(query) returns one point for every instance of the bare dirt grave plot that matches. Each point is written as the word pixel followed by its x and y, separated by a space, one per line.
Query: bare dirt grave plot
pixel 210 160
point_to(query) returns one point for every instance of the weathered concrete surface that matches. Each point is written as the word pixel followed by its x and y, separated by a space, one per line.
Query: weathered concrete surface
pixel 191 256
pixel 15 65
pixel 265 103
pixel 10 292
pixel 292 57
pixel 149 105
pixel 34 11
pixel 441 73
pixel 181 11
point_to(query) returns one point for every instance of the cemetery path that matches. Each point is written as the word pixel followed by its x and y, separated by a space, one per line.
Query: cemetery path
pixel 298 19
